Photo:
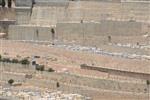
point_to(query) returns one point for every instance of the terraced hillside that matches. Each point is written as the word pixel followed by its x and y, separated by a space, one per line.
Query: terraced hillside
pixel 99 87
pixel 91 12
pixel 83 49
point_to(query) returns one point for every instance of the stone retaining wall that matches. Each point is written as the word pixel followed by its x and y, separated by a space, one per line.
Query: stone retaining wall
pixel 119 72
pixel 25 3
pixel 4 25
pixel 90 33
pixel 87 34
pixel 35 33
pixel 23 15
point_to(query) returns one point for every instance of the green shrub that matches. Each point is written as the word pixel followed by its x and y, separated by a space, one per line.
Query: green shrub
pixel 109 38
pixel 40 67
pixel 147 82
pixel 52 31
pixel 33 62
pixel 15 61
pixel 51 70
pixel 83 65
pixel 6 60
pixel 37 67
pixel 25 62
pixel 57 85
pixel 11 81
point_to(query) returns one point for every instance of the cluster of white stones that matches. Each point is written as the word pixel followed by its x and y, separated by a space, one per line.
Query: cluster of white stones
pixel 39 95
pixel 102 52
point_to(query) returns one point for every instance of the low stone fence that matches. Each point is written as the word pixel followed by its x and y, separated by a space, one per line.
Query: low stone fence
pixel 137 75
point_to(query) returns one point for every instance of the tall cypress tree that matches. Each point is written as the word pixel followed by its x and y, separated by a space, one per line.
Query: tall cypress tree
pixel 3 3
pixel 9 3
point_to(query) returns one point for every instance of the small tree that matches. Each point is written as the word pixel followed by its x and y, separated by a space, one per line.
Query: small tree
pixel 0 57
pixel 53 35
pixel 37 33
pixel 109 38
pixel 11 81
pixel 148 84
pixel 57 85
pixel 52 31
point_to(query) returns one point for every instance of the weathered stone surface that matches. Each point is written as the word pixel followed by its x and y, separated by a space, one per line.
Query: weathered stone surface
pixel 27 3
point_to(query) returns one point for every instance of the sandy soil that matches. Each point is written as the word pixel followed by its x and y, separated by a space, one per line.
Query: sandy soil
pixel 60 58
